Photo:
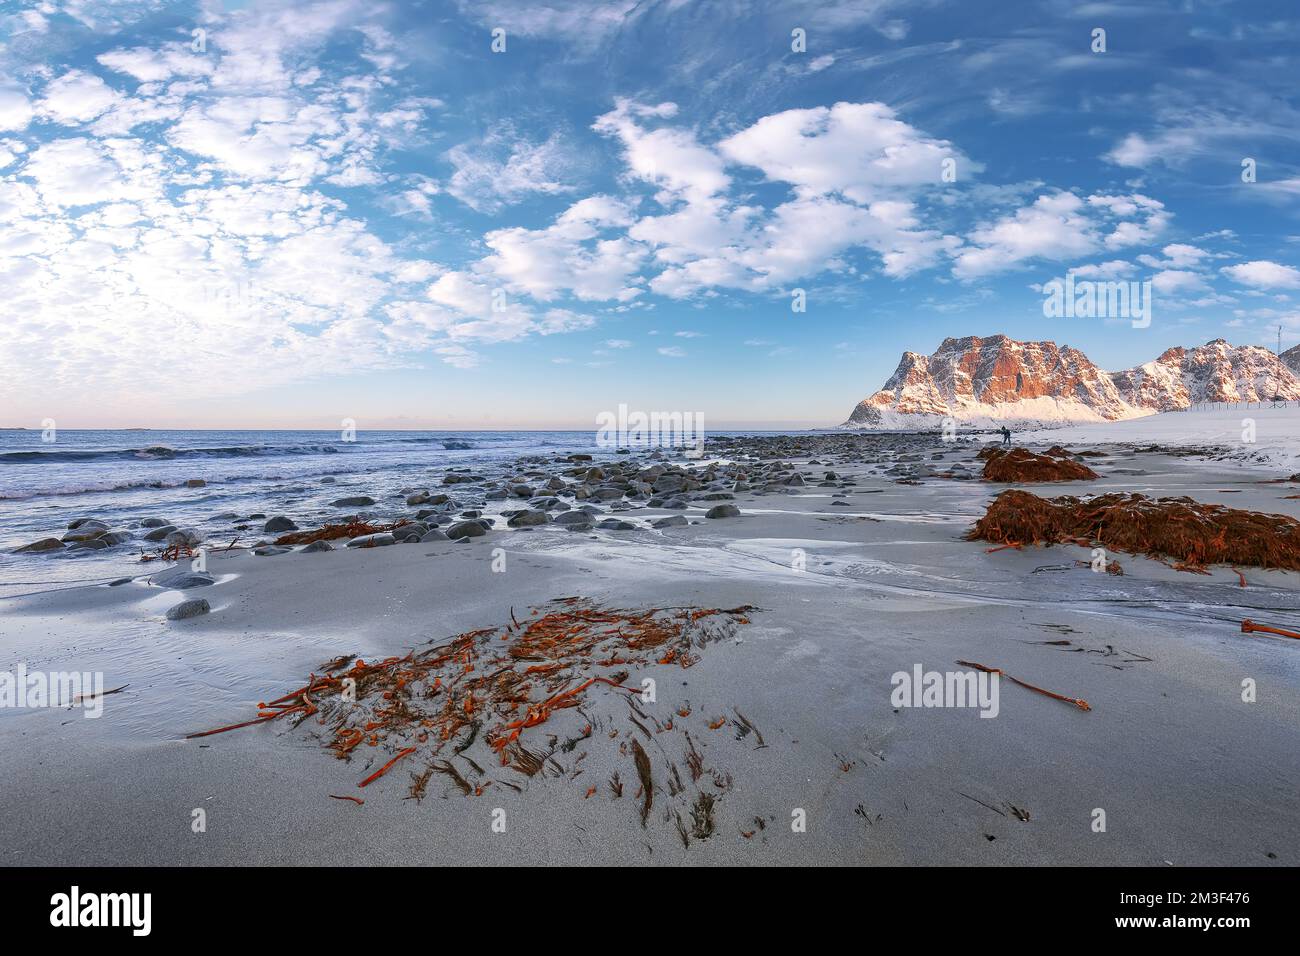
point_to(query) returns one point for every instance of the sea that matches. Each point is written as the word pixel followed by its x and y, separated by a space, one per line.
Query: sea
pixel 125 476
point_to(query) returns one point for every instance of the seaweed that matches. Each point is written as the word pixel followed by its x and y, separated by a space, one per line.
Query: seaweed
pixel 1193 534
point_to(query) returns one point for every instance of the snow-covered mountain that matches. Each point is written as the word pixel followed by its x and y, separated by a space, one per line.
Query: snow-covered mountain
pixel 983 381
pixel 1292 358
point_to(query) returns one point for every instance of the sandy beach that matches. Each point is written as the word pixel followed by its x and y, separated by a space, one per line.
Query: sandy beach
pixel 851 580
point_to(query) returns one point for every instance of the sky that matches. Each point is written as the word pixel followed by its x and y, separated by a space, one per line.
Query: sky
pixel 498 214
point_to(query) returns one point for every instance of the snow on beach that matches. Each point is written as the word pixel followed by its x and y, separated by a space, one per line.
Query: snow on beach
pixel 1227 428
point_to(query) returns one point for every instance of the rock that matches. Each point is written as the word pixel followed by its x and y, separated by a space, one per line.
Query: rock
pixel 614 524
pixel 85 533
pixel 667 483
pixel 466 529
pixel 418 499
pixel 154 523
pixel 434 535
pixel 196 483
pixel 36 547
pixel 356 501
pixel 119 582
pixel 187 609
pixel 74 525
pixel 182 537
pixel 271 550
pixel 677 504
pixel 280 523
pixel 328 480
pixel 160 534
pixel 380 540
pixel 528 519
pixel 723 511
pixel 182 578
pixel 672 521
pixel 317 546
pixel 92 544
pixel 573 517
pixel 718 496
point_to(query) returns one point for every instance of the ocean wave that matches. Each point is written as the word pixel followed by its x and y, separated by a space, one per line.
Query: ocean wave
pixel 161 453
pixel 89 489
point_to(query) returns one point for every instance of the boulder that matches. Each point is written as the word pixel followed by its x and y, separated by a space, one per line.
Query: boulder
pixel 528 519
pixel 280 523
pixel 36 547
pixel 182 537
pixel 187 609
pixel 379 540
pixel 182 578
pixel 466 529
pixel 672 521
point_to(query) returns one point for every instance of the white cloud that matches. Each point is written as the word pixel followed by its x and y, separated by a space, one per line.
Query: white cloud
pixel 1177 255
pixel 574 255
pixel 1113 269
pixel 15 109
pixel 670 158
pixel 1172 281
pixel 503 169
pixel 1263 274
pixel 1060 226
pixel 153 66
pixel 672 351
pixel 852 169
pixel 76 98
pixel 859 150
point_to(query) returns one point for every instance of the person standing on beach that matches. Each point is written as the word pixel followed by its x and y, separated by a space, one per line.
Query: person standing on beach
pixel 1006 435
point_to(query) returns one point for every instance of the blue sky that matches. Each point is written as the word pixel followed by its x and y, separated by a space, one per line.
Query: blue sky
pixel 348 209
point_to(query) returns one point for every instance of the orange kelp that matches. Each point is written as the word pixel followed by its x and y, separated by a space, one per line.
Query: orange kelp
pixel 330 532
pixel 1017 464
pixel 497 686
pixel 1192 534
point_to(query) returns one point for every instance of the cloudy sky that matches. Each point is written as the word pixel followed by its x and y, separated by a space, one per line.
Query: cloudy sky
pixel 494 213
